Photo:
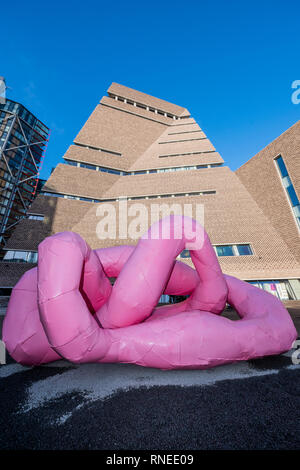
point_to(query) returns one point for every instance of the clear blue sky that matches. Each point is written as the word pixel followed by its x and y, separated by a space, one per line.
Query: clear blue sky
pixel 231 63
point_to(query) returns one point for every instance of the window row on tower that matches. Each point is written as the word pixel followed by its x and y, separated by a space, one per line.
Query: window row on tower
pixel 113 171
pixel 129 198
pixel 147 108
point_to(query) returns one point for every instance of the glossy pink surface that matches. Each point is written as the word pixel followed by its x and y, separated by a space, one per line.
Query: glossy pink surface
pixel 67 308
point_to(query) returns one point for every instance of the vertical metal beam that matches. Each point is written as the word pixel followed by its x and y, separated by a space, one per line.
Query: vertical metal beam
pixel 2 150
pixel 16 182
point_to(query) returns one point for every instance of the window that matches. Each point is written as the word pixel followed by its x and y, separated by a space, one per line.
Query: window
pixel 9 255
pixel 140 105
pixel 98 149
pixel 52 194
pixel 189 153
pixel 233 250
pixel 185 254
pixel 138 172
pixel 32 257
pixel 289 188
pixel 21 256
pixel 292 194
pixel 71 162
pixel 282 167
pixel 88 166
pixel 225 250
pixel 244 250
pixel 35 217
pixel 164 299
pixel 82 198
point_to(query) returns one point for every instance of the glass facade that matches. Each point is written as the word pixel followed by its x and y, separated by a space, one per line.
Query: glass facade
pixel 282 289
pixel 289 188
pixel 22 142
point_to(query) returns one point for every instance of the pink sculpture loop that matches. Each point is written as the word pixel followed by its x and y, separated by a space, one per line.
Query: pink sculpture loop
pixel 67 308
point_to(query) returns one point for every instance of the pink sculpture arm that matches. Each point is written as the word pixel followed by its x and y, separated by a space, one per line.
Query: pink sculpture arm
pixel 58 320
pixel 149 267
pixel 183 279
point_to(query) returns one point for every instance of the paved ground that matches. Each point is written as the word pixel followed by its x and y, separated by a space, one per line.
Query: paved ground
pixel 249 405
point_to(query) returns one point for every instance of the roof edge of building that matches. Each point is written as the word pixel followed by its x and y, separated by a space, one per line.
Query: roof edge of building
pixel 273 142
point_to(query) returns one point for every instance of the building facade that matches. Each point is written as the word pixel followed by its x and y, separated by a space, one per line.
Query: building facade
pixel 153 152
pixel 22 142
pixel 272 177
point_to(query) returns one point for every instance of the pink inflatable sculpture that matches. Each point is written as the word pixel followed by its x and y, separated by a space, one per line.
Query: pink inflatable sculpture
pixel 67 308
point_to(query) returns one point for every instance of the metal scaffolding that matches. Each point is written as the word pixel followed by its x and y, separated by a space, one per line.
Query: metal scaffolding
pixel 23 140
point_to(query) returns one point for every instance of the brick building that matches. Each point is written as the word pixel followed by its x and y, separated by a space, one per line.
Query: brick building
pixel 152 151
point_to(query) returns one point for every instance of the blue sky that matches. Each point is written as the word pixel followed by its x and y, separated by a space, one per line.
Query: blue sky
pixel 231 63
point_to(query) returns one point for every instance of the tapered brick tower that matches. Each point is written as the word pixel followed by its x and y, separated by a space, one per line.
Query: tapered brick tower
pixel 152 151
